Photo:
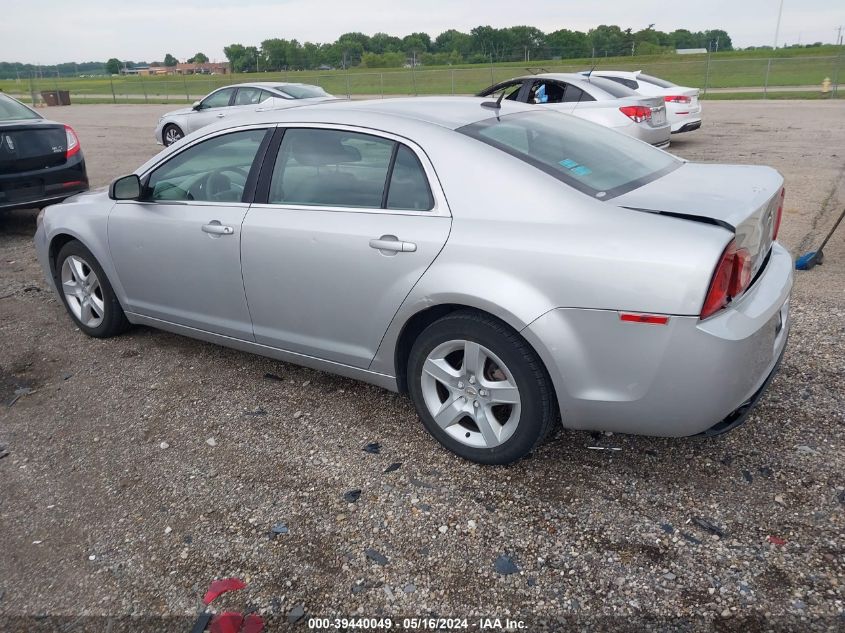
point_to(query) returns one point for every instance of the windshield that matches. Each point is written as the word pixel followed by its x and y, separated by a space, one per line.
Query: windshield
pixel 593 159
pixel 656 81
pixel 11 110
pixel 303 91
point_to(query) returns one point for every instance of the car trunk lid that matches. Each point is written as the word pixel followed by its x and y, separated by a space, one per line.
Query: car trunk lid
pixel 658 111
pixel 742 198
pixel 31 145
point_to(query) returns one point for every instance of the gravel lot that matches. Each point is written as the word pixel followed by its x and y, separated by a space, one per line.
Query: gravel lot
pixel 143 467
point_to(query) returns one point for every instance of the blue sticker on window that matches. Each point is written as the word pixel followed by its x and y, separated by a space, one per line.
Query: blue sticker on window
pixel 568 163
pixel 582 171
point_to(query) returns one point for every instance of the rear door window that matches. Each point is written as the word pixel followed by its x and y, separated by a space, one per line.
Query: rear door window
pixel 575 94
pixel 339 168
pixel 331 168
pixel 250 96
pixel 408 184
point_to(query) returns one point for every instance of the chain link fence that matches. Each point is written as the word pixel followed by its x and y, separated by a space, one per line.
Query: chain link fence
pixel 799 76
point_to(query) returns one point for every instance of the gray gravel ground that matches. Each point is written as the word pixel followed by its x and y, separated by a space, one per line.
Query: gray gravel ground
pixel 115 501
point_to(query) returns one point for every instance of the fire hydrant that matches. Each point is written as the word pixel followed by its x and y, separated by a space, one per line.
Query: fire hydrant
pixel 825 85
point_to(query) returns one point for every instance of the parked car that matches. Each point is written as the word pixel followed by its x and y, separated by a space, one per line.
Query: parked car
pixel 598 100
pixel 683 108
pixel 231 100
pixel 506 266
pixel 40 160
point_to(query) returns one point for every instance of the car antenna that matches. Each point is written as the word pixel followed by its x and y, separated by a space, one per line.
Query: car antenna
pixel 590 72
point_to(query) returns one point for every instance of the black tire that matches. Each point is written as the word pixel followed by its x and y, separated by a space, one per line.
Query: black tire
pixel 114 320
pixel 173 128
pixel 538 406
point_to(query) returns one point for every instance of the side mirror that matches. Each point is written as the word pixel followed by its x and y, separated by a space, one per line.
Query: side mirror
pixel 197 105
pixel 125 188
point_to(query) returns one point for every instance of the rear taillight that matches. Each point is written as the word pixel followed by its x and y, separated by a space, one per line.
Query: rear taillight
pixel 741 277
pixel 638 114
pixel 72 142
pixel 779 214
pixel 730 279
pixel 677 99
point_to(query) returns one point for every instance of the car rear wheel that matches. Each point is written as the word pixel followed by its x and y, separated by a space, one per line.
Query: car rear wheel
pixel 171 134
pixel 87 293
pixel 480 389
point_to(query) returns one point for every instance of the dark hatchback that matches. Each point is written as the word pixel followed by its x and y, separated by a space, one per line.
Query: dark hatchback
pixel 40 161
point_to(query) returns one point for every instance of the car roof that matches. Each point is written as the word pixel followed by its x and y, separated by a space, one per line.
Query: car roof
pixel 409 117
pixel 390 115
pixel 266 84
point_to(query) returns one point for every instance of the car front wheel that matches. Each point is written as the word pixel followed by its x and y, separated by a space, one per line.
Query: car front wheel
pixel 480 389
pixel 171 134
pixel 87 293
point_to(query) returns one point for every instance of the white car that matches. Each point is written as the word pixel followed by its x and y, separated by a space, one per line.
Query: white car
pixel 235 99
pixel 595 99
pixel 683 108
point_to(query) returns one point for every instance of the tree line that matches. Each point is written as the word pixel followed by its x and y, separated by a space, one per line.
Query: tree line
pixel 483 44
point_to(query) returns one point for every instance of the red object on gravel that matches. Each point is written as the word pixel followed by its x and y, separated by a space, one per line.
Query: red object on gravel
pixel 219 587
pixel 226 622
pixel 776 540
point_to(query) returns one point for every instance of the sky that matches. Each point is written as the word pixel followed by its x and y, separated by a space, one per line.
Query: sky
pixel 52 31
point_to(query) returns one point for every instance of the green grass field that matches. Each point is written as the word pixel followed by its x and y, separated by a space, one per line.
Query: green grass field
pixel 790 67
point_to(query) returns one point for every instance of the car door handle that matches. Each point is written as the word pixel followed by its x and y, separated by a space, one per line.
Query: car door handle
pixel 392 244
pixel 221 115
pixel 215 228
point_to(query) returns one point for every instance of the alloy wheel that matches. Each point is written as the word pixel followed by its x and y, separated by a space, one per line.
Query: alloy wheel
pixel 471 394
pixel 82 291
pixel 171 135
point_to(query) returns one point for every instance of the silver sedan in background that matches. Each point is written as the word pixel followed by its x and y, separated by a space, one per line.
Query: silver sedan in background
pixel 233 100
pixel 507 266
pixel 595 99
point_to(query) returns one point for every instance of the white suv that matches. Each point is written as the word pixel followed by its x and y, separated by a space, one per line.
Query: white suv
pixel 683 108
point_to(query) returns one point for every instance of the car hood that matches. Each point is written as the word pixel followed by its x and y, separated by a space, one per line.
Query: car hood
pixel 179 112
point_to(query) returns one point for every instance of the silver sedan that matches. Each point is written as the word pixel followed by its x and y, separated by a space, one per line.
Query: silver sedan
pixel 595 99
pixel 508 267
pixel 233 100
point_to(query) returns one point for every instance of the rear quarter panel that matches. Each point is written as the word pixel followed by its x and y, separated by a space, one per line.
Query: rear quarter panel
pixel 523 243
